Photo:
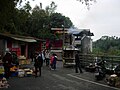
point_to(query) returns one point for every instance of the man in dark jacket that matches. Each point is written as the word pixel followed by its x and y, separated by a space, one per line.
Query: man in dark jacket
pixel 38 64
pixel 77 63
pixel 7 62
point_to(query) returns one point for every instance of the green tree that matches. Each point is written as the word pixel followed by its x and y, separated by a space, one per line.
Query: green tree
pixel 57 20
pixel 36 22
pixel 12 19
pixel 87 2
pixel 108 45
pixel 20 18
pixel 50 9
pixel 7 8
pixel 43 20
pixel 6 12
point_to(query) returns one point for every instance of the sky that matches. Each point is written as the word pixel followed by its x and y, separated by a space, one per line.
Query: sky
pixel 102 19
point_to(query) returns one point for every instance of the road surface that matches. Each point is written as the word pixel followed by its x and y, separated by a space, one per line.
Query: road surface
pixel 59 79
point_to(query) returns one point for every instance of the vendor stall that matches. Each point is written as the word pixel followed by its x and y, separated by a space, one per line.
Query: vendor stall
pixel 23 60
pixel 3 80
pixel 69 57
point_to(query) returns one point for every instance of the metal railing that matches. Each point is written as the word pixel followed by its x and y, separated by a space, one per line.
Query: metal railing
pixel 86 59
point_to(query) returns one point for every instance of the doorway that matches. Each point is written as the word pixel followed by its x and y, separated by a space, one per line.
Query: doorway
pixel 23 48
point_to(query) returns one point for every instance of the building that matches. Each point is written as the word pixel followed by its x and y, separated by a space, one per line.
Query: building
pixel 21 45
pixel 82 40
pixel 71 39
pixel 57 45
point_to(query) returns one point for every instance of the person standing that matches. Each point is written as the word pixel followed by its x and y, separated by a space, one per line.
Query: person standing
pixel 51 61
pixel 0 57
pixel 43 55
pixel 54 61
pixel 47 54
pixel 15 59
pixel 38 64
pixel 7 62
pixel 77 63
pixel 32 57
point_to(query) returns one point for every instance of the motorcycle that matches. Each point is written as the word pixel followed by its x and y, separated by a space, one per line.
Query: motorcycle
pixel 99 73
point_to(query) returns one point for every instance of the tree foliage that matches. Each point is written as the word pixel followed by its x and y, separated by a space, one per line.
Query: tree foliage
pixel 36 22
pixel 108 45
pixel 7 8
pixel 57 20
pixel 50 9
pixel 88 3
pixel 6 11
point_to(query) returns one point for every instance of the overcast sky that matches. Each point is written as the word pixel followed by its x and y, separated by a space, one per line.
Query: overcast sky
pixel 103 18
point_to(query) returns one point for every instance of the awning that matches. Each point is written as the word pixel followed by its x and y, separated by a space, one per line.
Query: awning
pixel 20 38
pixel 24 39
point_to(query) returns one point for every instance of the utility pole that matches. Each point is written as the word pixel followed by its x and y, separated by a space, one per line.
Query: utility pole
pixel 63 37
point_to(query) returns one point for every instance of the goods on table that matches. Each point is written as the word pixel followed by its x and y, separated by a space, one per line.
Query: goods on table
pixel 28 72
pixel 21 73
pixel 23 60
pixel 25 72
pixel 3 80
pixel 113 80
pixel 13 71
pixel 1 70
pixel 3 83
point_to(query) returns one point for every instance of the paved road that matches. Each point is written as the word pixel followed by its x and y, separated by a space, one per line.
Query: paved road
pixel 60 79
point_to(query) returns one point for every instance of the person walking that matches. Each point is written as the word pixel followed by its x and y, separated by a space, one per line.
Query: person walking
pixel 7 63
pixel 53 61
pixel 77 63
pixel 38 64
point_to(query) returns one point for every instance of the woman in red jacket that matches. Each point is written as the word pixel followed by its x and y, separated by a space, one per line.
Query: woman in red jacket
pixel 51 61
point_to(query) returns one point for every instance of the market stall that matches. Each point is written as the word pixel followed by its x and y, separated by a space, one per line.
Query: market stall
pixel 3 80
pixel 23 69
pixel 69 57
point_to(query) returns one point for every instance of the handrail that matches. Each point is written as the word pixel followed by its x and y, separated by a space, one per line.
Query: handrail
pixel 90 58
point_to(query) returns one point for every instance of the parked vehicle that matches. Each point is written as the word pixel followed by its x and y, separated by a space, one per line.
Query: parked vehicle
pixel 99 73
pixel 90 67
pixel 117 70
pixel 113 69
pixel 100 70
